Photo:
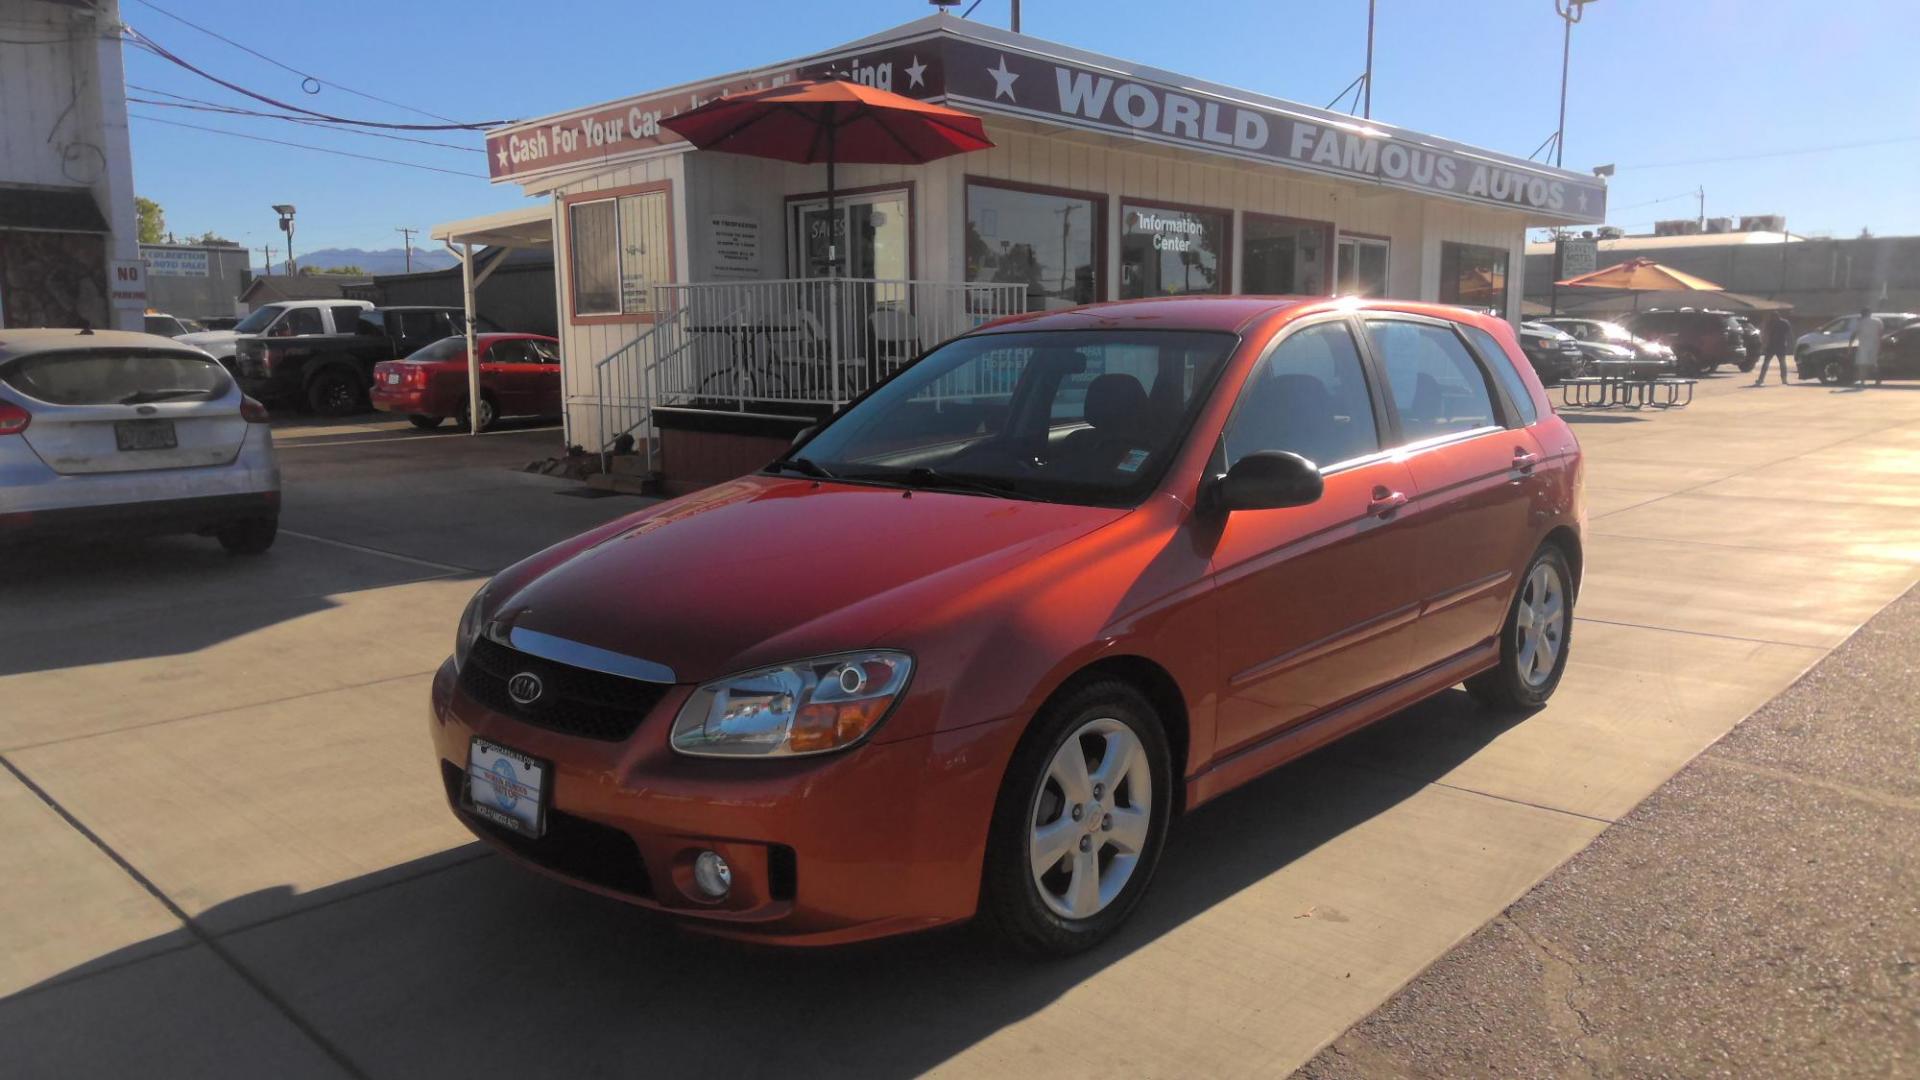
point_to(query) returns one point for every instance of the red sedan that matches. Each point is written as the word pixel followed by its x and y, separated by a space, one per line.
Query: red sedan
pixel 970 646
pixel 519 376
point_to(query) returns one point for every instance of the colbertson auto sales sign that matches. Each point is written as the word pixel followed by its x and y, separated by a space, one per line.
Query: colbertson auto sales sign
pixel 990 77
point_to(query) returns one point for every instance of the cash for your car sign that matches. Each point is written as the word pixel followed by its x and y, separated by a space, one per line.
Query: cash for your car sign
pixel 506 787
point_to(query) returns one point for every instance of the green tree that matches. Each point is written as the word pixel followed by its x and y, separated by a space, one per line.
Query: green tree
pixel 351 270
pixel 213 239
pixel 153 220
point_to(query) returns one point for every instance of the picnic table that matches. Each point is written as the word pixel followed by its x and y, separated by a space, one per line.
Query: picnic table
pixel 1613 385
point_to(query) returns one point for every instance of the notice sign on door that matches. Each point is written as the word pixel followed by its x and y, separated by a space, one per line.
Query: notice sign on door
pixel 734 241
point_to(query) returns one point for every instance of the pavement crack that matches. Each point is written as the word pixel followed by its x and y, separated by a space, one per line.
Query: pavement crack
pixel 1562 979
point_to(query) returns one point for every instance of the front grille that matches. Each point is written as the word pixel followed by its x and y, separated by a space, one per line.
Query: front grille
pixel 574 846
pixel 573 701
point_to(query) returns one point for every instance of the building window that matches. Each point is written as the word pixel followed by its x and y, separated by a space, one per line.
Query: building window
pixel 1282 256
pixel 1045 239
pixel 619 249
pixel 881 224
pixel 1473 276
pixel 1360 266
pixel 1169 252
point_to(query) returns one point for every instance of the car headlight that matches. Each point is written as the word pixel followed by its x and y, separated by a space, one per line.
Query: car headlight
pixel 469 630
pixel 806 707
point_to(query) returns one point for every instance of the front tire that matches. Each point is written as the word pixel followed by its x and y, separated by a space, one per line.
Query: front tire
pixel 1835 373
pixel 1080 821
pixel 488 414
pixel 1534 640
pixel 250 536
pixel 424 423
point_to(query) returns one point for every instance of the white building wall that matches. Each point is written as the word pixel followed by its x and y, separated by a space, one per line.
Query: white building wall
pixel 63 115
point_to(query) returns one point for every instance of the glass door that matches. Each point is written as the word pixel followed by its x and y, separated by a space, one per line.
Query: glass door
pixel 877 222
pixel 1360 267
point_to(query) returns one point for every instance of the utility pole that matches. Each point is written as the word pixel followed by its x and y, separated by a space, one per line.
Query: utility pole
pixel 407 238
pixel 1570 12
pixel 1016 16
pixel 266 258
pixel 1366 88
pixel 1702 194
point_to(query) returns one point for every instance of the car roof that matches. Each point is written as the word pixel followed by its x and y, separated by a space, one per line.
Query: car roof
pixel 17 343
pixel 1232 314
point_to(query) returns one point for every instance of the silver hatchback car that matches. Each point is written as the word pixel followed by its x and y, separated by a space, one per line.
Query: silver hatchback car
pixel 114 433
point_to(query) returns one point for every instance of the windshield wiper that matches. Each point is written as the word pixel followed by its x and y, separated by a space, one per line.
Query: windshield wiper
pixel 803 466
pixel 920 476
pixel 141 397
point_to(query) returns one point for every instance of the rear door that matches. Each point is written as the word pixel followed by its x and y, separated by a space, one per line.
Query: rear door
pixel 1473 463
pixel 127 410
pixel 1316 603
pixel 512 369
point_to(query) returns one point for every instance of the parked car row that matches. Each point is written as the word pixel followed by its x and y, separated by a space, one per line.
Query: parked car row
pixel 1701 340
pixel 1602 340
pixel 1833 363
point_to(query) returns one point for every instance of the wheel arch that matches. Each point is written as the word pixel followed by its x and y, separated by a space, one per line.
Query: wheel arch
pixel 1567 539
pixel 1160 688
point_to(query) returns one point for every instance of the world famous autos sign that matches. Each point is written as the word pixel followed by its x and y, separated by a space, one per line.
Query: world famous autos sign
pixel 1006 77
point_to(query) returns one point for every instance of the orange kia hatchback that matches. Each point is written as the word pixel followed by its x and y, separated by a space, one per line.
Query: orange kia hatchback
pixel 971 644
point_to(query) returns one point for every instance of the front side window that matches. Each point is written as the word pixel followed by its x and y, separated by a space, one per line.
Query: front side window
pixel 1501 365
pixel 259 319
pixel 301 322
pixel 1047 241
pixel 1089 417
pixel 1168 252
pixel 1360 266
pixel 1435 384
pixel 1473 276
pixel 1283 258
pixel 619 248
pixel 1308 396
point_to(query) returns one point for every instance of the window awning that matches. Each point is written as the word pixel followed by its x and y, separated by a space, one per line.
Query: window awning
pixel 50 209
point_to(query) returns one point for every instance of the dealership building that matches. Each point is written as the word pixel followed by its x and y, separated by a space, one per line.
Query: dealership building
pixel 692 285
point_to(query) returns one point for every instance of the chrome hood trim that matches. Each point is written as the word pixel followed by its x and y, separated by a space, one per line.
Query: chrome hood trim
pixel 564 651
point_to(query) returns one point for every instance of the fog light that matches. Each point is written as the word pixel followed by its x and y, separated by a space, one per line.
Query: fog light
pixel 712 875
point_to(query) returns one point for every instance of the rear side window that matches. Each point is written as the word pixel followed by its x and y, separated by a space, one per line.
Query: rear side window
pixel 1436 385
pixel 1501 365
pixel 512 351
pixel 1308 396
pixel 115 377
pixel 300 321
pixel 345 318
pixel 444 349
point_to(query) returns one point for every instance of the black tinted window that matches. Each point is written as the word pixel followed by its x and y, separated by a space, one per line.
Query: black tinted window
pixel 345 318
pixel 1308 396
pixel 303 320
pixel 1502 367
pixel 1436 385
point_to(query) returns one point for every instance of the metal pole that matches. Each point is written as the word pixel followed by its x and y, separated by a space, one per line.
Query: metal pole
pixel 1569 16
pixel 1366 108
pixel 1016 16
pixel 833 271
pixel 473 354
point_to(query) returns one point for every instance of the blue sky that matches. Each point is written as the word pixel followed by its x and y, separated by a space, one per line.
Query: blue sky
pixel 1654 82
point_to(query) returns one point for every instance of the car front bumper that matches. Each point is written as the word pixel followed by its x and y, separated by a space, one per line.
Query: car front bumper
pixel 880 839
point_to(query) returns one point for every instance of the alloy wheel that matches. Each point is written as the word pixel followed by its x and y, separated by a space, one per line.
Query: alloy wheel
pixel 1540 625
pixel 1090 819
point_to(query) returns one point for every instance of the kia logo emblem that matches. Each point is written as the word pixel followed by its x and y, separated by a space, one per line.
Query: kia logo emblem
pixel 524 688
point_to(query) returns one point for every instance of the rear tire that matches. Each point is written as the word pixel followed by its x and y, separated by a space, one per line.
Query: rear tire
pixel 250 536
pixel 425 423
pixel 335 392
pixel 488 415
pixel 1115 827
pixel 1534 640
pixel 1689 362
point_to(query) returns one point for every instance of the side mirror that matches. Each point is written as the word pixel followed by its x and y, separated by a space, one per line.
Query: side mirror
pixel 1266 480
pixel 801 436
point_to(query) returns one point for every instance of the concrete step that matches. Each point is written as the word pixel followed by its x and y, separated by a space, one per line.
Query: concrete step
pixel 624 483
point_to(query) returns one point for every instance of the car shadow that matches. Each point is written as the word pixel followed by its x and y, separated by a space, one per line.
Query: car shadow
pixel 463 961
pixel 1600 418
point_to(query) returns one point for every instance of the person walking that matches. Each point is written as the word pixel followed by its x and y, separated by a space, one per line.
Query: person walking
pixel 1774 345
pixel 1866 349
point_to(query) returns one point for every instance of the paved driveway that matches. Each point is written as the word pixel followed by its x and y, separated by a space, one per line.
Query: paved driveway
pixel 227 852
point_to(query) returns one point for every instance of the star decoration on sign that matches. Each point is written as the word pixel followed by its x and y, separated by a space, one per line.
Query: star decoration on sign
pixel 1583 202
pixel 1003 80
pixel 502 155
pixel 915 73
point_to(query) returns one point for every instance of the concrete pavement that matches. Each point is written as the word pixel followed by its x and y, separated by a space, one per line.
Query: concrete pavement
pixel 236 852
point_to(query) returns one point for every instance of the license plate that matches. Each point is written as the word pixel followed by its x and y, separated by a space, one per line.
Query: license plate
pixel 393 378
pixel 507 787
pixel 145 434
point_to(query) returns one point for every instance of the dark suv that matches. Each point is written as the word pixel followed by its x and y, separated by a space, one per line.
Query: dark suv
pixel 1701 340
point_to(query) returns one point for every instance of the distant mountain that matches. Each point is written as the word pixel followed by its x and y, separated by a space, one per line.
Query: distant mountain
pixel 388 261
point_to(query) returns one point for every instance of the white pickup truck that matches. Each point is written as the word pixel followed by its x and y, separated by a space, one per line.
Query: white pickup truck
pixel 289 318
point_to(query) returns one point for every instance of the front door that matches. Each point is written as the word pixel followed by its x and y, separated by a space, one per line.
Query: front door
pixel 872 233
pixel 1316 603
pixel 1474 476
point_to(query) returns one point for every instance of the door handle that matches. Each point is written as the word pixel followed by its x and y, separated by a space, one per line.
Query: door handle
pixel 1525 460
pixel 1385 501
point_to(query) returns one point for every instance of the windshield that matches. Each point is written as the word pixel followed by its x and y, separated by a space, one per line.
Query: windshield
pixel 116 377
pixel 258 320
pixel 1071 416
pixel 445 349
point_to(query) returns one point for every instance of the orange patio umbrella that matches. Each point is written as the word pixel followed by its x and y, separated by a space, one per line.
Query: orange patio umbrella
pixel 1640 275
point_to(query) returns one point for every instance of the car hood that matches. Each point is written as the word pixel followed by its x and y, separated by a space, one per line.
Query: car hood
pixel 1606 351
pixel 766 569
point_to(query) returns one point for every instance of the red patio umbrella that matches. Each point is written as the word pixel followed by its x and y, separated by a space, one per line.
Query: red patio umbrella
pixel 831 121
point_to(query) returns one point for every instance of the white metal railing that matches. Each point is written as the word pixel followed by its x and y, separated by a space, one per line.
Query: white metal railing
pixel 746 346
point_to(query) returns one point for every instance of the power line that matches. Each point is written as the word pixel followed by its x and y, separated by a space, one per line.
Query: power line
pixel 152 46
pixel 183 102
pixel 308 146
pixel 1652 202
pixel 1776 153
pixel 306 77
